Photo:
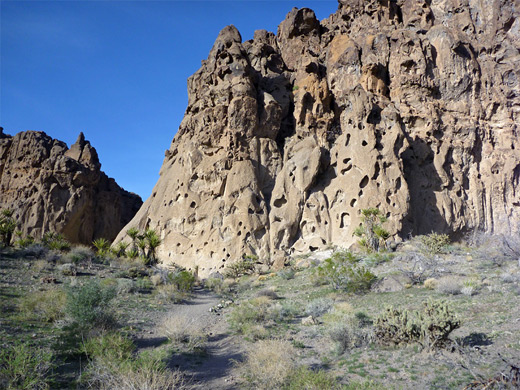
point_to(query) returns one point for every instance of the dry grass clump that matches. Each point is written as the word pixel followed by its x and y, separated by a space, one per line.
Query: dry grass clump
pixel 47 306
pixel 41 265
pixel 169 292
pixel 268 293
pixel 449 285
pixel 181 329
pixel 431 283
pixel 268 364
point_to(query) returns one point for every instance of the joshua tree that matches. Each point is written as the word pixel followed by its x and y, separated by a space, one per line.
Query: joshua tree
pixel 372 234
pixel 133 233
pixel 152 242
pixel 7 226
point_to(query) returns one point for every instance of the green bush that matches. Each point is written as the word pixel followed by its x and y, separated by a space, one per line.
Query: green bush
pixel 182 280
pixel 344 271
pixel 429 327
pixel 88 305
pixel 79 254
pixel 435 243
pixel 245 266
pixel 110 347
pixel 102 245
pixel 24 367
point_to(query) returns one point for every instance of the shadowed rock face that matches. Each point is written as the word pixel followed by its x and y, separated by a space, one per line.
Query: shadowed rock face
pixel 409 106
pixel 52 188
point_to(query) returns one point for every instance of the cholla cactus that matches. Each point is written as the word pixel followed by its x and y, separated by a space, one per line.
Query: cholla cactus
pixel 430 327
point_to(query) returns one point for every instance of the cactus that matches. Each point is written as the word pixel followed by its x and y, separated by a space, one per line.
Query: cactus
pixel 430 327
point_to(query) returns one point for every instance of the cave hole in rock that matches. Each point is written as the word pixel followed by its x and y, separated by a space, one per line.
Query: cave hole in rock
pixel 193 204
pixel 347 141
pixel 360 193
pixel 178 244
pixel 280 201
pixel 185 195
pixel 353 202
pixel 398 183
pixel 250 211
pixel 376 171
pixel 364 143
pixel 239 233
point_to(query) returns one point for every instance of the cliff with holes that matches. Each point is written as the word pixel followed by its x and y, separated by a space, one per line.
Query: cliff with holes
pixel 406 105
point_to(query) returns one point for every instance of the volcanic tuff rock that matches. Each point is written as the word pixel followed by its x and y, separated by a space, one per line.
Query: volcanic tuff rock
pixel 409 106
pixel 52 188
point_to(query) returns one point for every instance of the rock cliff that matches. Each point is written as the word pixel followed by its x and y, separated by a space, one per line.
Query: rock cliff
pixel 410 106
pixel 52 188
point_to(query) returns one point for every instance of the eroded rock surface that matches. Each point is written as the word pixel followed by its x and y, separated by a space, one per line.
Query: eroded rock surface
pixel 408 106
pixel 52 188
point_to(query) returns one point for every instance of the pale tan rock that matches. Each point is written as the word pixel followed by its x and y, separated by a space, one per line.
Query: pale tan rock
pixel 408 106
pixel 51 188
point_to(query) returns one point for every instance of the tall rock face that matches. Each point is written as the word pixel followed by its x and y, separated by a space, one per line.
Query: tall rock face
pixel 409 106
pixel 52 188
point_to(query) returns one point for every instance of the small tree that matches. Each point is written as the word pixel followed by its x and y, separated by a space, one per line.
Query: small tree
pixel 372 234
pixel 133 233
pixel 152 242
pixel 7 226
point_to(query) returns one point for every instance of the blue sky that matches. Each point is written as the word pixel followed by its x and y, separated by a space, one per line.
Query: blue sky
pixel 116 70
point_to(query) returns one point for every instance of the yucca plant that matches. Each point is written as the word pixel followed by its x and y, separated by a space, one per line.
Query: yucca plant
pixel 373 236
pixel 7 226
pixel 102 246
pixel 120 249
pixel 152 242
pixel 133 233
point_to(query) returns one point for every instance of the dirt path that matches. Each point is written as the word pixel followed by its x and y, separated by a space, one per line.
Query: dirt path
pixel 210 371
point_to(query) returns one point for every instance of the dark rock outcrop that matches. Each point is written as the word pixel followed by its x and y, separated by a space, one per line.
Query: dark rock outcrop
pixel 52 188
pixel 408 106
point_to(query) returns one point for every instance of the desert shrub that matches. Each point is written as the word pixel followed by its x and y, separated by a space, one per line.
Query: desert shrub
pixel 182 280
pixel 267 292
pixel 170 293
pixel 110 347
pixel 506 277
pixel 416 266
pixel 351 331
pixel 88 305
pixel 244 266
pixel 267 365
pixel 125 286
pixel 47 306
pixel 376 258
pixel 318 307
pixel 24 367
pixel 113 366
pixel 151 375
pixel 373 236
pixel 434 243
pixel 144 284
pixel 308 379
pixel 67 269
pixel 186 331
pixel 37 251
pixel 429 327
pixel 431 283
pixel 156 279
pixel 449 285
pixel 79 254
pixel 344 271
pixel 286 273
pixel 259 311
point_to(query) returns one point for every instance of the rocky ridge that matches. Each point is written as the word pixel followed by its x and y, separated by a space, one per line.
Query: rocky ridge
pixel 52 188
pixel 409 106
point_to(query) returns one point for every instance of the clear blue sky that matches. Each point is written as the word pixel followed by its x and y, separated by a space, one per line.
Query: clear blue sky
pixel 116 70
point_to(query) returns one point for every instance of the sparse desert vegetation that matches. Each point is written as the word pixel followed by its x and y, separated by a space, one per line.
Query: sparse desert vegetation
pixel 350 321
